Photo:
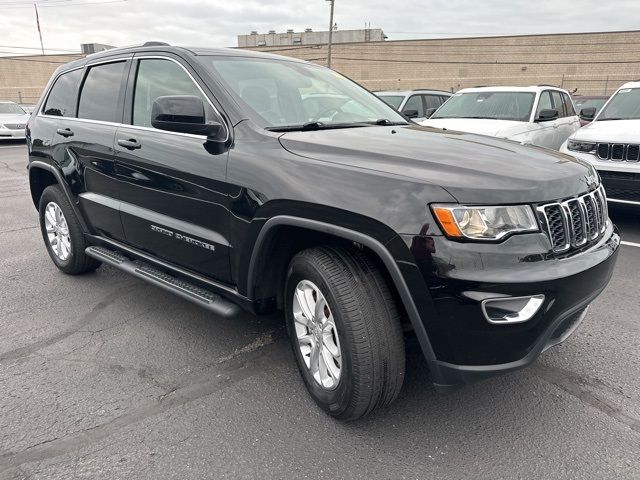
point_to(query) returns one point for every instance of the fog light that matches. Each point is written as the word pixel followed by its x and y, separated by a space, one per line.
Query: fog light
pixel 511 309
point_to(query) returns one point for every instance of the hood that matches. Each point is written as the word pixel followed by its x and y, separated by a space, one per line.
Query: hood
pixel 472 168
pixel 22 119
pixel 481 126
pixel 610 131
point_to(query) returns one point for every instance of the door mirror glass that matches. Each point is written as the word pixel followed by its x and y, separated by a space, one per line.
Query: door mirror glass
pixel 429 111
pixel 588 113
pixel 183 114
pixel 410 113
pixel 547 114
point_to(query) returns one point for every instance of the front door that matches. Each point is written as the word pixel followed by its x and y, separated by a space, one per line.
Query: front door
pixel 174 201
pixel 545 134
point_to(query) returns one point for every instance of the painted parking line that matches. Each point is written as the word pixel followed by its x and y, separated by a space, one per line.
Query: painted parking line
pixel 630 244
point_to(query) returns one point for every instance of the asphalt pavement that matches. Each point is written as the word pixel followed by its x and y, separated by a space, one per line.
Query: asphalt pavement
pixel 103 376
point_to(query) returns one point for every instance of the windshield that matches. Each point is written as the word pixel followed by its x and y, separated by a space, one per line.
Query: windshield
pixel 624 105
pixel 11 108
pixel 492 105
pixel 392 100
pixel 596 103
pixel 289 93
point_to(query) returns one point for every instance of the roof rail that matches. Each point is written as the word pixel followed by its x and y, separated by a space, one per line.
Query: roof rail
pixel 431 90
pixel 546 85
pixel 155 44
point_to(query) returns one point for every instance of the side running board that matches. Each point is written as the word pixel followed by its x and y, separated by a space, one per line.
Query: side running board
pixel 189 291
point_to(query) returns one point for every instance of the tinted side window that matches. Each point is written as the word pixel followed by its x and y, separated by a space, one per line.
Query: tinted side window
pixel 558 104
pixel 568 105
pixel 443 99
pixel 62 98
pixel 432 101
pixel 414 103
pixel 544 103
pixel 158 78
pixel 99 98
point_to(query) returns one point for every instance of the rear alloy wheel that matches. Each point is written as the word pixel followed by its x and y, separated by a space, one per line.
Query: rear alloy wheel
pixel 345 331
pixel 62 233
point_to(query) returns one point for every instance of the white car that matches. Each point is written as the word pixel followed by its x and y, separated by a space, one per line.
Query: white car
pixel 611 143
pixel 538 115
pixel 13 121
pixel 415 104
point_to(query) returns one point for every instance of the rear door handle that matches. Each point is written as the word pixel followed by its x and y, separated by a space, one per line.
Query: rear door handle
pixel 65 132
pixel 130 144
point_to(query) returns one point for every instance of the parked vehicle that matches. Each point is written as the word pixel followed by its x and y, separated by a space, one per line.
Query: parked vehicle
pixel 588 101
pixel 415 104
pixel 538 115
pixel 13 120
pixel 199 170
pixel 611 143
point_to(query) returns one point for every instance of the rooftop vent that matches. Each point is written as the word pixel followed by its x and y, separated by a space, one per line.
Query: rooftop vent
pixel 289 30
pixel 272 32
pixel 254 32
pixel 308 29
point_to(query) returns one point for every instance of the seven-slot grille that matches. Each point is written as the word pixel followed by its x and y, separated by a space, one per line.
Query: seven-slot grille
pixel 620 152
pixel 575 222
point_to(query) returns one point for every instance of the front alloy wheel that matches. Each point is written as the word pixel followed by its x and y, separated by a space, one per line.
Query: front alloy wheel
pixel 57 231
pixel 317 334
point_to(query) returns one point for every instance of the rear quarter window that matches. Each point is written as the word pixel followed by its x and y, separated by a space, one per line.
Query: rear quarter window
pixel 62 97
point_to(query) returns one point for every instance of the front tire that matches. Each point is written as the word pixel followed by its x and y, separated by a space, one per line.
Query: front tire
pixel 345 331
pixel 62 233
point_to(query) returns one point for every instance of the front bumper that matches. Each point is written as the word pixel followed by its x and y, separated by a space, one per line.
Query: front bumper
pixel 621 179
pixel 6 134
pixel 466 346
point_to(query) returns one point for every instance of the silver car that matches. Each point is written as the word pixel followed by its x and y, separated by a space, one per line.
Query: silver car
pixel 13 121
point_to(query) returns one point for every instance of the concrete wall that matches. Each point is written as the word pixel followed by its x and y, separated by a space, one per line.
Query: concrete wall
pixel 22 79
pixel 595 63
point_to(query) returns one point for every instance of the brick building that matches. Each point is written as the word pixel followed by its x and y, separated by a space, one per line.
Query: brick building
pixel 594 63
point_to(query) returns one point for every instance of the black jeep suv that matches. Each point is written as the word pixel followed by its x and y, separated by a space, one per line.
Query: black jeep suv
pixel 238 179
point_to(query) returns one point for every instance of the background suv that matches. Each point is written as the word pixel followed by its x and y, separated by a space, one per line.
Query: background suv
pixel 415 104
pixel 612 144
pixel 538 115
pixel 201 171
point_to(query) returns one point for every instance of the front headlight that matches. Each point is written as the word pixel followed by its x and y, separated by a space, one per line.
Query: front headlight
pixel 578 146
pixel 484 223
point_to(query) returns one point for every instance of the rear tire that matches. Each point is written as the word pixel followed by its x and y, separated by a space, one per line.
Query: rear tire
pixel 369 370
pixel 62 233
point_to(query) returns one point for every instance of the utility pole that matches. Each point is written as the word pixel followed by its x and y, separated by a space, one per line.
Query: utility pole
pixel 330 34
pixel 38 23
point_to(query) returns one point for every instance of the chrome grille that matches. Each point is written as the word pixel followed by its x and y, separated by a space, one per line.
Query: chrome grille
pixel 618 152
pixel 575 222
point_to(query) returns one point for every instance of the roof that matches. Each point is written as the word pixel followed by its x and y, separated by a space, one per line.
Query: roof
pixel 409 92
pixel 635 84
pixel 531 88
pixel 197 51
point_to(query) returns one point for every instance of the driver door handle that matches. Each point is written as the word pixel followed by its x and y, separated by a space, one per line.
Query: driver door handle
pixel 130 144
pixel 65 132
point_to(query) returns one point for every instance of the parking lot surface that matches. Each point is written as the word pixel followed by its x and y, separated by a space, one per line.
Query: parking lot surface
pixel 104 376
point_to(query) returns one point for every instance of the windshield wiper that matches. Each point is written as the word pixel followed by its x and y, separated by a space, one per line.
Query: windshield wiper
pixel 310 126
pixel 613 118
pixel 386 121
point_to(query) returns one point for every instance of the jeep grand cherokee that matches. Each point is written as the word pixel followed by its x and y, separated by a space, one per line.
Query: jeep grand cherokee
pixel 205 172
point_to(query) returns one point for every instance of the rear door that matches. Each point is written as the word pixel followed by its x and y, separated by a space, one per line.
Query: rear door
pixel 84 144
pixel 174 199
pixel 570 122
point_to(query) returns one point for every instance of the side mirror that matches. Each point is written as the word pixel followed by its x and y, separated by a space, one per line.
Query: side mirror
pixel 410 113
pixel 547 114
pixel 183 114
pixel 429 111
pixel 588 113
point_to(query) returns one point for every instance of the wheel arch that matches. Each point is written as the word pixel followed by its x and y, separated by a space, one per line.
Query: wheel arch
pixel 265 244
pixel 43 175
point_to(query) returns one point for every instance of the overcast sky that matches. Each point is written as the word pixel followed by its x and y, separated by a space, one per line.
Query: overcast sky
pixel 68 23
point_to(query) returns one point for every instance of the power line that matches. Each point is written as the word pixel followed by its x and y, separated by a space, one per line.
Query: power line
pixel 61 3
pixel 38 48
